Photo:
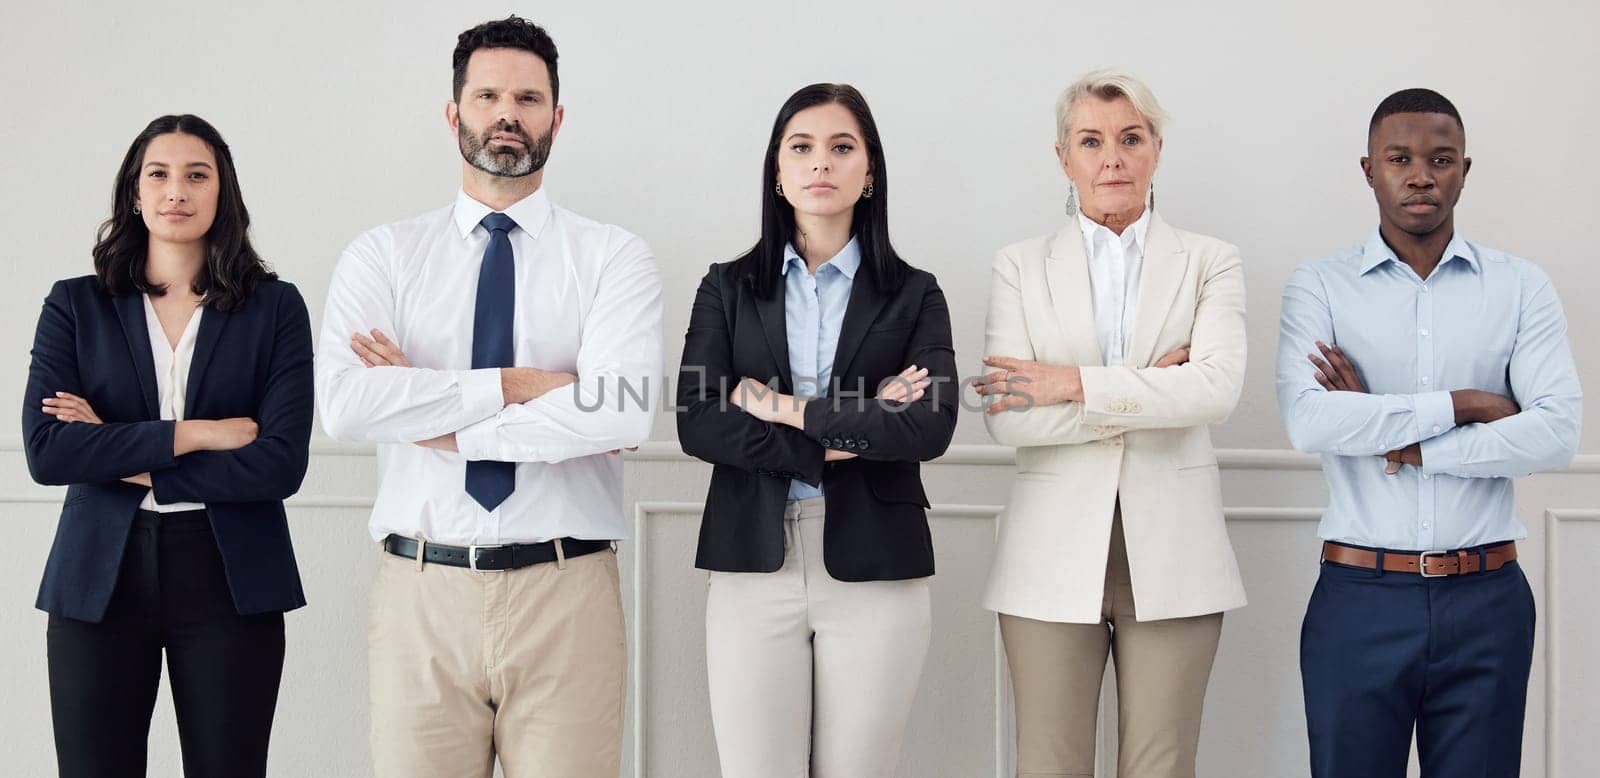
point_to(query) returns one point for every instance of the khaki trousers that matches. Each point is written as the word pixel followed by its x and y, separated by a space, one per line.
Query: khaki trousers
pixel 1162 668
pixel 528 665
pixel 811 677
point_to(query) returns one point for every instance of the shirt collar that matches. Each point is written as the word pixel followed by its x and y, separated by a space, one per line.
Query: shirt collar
pixel 1376 251
pixel 1135 232
pixel 847 261
pixel 530 213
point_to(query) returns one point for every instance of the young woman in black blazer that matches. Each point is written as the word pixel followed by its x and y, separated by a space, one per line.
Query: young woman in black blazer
pixel 817 374
pixel 171 392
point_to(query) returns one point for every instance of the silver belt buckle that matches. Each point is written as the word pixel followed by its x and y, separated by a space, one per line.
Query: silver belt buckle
pixel 1422 563
pixel 472 558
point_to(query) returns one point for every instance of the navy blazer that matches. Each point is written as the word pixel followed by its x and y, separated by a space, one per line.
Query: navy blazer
pixel 254 361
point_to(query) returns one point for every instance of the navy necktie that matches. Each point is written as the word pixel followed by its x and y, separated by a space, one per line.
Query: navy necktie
pixel 490 483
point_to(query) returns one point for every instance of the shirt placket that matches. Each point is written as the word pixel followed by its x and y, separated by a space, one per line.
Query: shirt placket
pixel 808 359
pixel 1427 521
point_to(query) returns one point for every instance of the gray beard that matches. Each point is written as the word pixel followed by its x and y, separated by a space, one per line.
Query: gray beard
pixel 507 163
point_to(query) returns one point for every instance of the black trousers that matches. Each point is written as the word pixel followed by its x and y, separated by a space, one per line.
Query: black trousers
pixel 224 668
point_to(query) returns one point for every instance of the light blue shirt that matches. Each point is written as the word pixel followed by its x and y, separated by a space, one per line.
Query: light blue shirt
pixel 813 313
pixel 1482 320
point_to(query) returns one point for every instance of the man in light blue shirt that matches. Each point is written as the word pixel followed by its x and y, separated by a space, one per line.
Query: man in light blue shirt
pixel 1428 371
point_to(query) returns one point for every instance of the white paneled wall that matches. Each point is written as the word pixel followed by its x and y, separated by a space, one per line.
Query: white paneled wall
pixel 961 729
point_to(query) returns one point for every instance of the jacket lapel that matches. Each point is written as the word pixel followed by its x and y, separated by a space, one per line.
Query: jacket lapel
pixel 859 314
pixel 771 313
pixel 211 323
pixel 1165 265
pixel 1067 277
pixel 130 313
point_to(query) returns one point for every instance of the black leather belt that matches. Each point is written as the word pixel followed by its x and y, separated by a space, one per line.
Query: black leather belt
pixel 488 558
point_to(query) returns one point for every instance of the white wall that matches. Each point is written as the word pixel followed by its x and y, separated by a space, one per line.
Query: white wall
pixel 335 115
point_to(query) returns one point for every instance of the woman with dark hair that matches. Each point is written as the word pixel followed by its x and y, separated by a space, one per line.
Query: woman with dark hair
pixel 817 373
pixel 171 392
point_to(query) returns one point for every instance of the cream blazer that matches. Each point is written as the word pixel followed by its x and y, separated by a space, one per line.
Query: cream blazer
pixel 1141 433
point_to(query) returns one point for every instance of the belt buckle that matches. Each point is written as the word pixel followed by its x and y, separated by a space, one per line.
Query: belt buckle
pixel 1422 563
pixel 472 558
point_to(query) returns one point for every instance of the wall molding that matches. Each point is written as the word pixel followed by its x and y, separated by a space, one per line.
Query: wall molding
pixel 1553 519
pixel 1273 459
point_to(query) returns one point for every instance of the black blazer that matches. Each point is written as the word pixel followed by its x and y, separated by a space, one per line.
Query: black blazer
pixel 876 527
pixel 254 361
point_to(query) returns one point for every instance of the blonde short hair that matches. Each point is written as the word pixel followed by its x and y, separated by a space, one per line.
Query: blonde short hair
pixel 1109 84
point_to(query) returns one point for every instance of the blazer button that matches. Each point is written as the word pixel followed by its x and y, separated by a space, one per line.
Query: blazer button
pixel 849 443
pixel 861 445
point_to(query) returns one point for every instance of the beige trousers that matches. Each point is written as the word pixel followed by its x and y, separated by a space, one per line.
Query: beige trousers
pixel 1162 668
pixel 811 677
pixel 528 665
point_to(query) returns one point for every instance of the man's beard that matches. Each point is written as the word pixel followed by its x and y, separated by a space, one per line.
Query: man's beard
pixel 500 159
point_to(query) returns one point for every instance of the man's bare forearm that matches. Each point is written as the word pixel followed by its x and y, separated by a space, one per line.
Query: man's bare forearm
pixel 525 384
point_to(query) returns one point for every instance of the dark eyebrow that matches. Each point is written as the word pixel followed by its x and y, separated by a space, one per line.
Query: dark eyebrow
pixel 1133 127
pixel 845 135
pixel 200 164
pixel 1397 147
pixel 794 135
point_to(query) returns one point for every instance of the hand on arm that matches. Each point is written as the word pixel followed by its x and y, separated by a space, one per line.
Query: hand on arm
pixel 1336 372
pixel 1023 383
pixel 188 436
pixel 769 405
pixel 517 384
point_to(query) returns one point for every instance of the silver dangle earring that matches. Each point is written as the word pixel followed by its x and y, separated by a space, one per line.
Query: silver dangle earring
pixel 1152 194
pixel 136 210
pixel 866 191
pixel 780 188
pixel 1072 199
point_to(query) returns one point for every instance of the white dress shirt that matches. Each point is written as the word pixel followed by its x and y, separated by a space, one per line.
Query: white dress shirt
pixel 588 302
pixel 172 384
pixel 1115 262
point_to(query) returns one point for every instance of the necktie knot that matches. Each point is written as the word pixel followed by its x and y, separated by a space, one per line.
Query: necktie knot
pixel 498 222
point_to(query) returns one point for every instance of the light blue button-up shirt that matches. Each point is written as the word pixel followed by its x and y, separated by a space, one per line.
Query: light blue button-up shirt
pixel 813 314
pixel 1482 320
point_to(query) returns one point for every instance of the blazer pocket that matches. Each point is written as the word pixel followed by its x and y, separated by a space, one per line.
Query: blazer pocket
pixel 892 324
pixel 898 490
pixel 1048 478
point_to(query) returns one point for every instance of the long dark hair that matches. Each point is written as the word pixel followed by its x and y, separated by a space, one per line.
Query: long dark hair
pixel 232 268
pixel 870 222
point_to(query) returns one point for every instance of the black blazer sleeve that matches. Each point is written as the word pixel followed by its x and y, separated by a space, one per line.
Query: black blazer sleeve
pixel 918 431
pixel 274 464
pixel 59 452
pixel 712 428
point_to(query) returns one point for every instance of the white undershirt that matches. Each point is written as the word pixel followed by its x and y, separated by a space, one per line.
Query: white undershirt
pixel 172 383
pixel 1115 262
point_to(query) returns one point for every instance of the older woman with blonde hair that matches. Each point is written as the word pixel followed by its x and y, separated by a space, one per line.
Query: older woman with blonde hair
pixel 1112 344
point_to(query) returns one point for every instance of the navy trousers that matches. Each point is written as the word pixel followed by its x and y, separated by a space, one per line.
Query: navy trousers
pixel 1383 653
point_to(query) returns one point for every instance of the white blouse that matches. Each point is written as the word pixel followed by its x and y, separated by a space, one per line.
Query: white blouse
pixel 1115 264
pixel 172 383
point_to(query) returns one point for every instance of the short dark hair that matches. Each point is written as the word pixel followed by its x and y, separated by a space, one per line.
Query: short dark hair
pixel 512 32
pixel 1416 100
pixel 232 268
pixel 869 223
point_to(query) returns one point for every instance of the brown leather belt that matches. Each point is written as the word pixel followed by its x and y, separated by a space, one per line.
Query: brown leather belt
pixel 1430 564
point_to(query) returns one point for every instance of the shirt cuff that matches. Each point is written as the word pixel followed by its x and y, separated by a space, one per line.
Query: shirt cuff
pixel 481 393
pixel 477 441
pixel 1436 414
pixel 1441 454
